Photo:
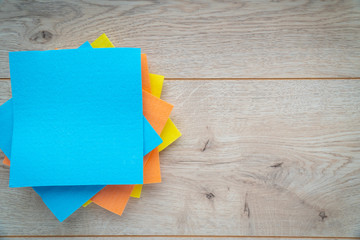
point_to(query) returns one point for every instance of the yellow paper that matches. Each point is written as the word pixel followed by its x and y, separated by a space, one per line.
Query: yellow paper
pixel 136 192
pixel 156 82
pixel 87 203
pixel 102 42
pixel 169 134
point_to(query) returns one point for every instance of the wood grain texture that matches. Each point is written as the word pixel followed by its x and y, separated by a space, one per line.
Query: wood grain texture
pixel 168 237
pixel 198 39
pixel 257 158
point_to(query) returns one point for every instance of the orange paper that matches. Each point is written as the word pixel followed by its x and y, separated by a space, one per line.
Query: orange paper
pixel 156 111
pixel 145 76
pixel 152 173
pixel 113 197
pixel 6 161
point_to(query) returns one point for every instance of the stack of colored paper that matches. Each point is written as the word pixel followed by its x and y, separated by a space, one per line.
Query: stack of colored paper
pixel 84 125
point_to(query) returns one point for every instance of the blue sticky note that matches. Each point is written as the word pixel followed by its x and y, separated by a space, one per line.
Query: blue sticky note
pixel 6 127
pixel 64 201
pixel 85 45
pixel 83 110
pixel 151 138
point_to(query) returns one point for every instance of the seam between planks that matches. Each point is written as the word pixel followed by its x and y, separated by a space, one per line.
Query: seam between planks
pixel 310 78
pixel 175 236
pixel 191 79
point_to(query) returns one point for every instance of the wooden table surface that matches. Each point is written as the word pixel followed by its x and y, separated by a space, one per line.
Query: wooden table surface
pixel 266 94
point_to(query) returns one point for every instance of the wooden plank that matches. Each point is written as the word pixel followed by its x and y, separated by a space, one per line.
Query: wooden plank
pixel 169 237
pixel 201 39
pixel 257 158
pixel 5 91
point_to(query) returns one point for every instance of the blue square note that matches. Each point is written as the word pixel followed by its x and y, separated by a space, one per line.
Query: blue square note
pixel 77 117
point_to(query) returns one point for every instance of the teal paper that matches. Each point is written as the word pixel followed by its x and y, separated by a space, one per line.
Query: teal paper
pixel 83 110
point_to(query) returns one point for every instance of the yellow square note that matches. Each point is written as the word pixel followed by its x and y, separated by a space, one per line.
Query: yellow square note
pixel 156 82
pixel 136 192
pixel 87 203
pixel 102 42
pixel 169 134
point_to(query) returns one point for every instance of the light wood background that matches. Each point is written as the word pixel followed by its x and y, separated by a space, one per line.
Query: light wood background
pixel 262 155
